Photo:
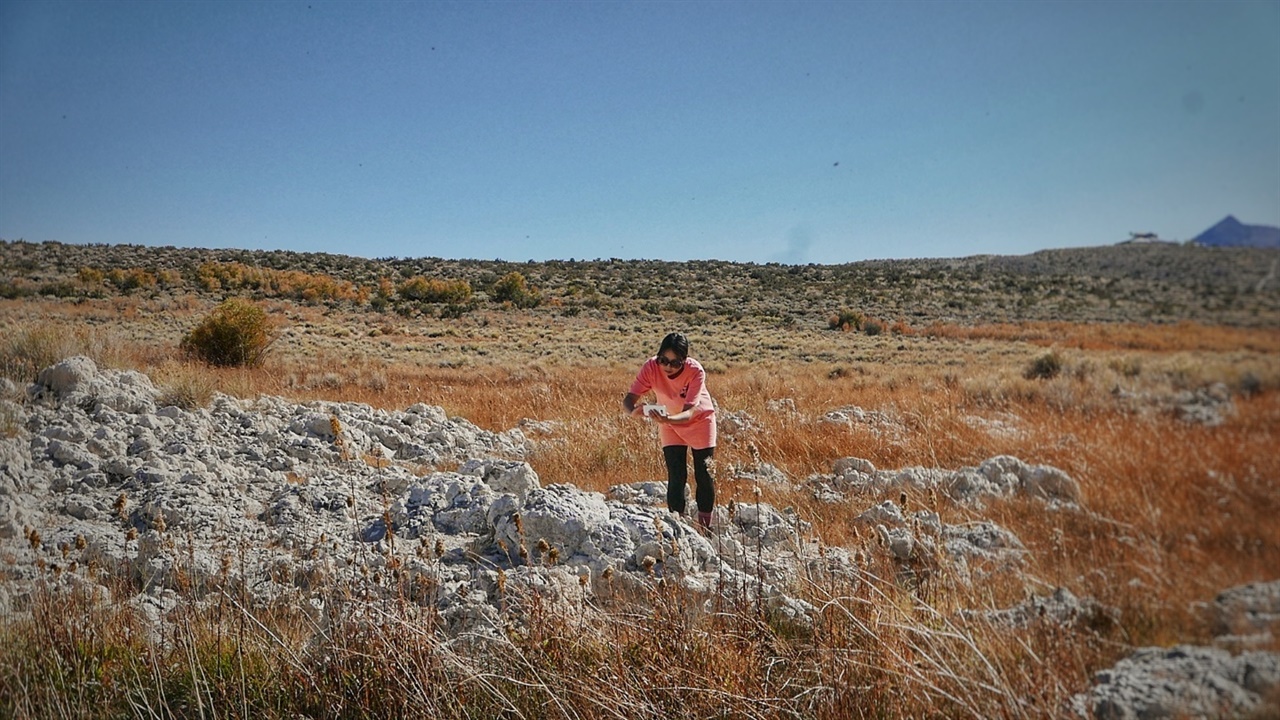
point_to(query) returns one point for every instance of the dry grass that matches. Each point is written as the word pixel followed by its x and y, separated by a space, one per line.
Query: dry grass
pixel 1120 336
pixel 1174 513
pixel 874 653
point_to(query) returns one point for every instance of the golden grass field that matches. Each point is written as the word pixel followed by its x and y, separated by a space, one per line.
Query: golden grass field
pixel 1177 511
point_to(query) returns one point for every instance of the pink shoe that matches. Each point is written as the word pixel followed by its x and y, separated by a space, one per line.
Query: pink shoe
pixel 704 520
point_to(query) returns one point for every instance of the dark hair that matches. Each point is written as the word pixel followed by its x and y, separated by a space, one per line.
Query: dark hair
pixel 676 343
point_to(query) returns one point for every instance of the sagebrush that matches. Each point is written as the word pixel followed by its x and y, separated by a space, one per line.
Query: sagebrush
pixel 237 333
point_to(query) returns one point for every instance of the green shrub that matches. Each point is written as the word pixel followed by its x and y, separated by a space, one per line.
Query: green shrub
pixel 91 276
pixel 513 288
pixel 13 289
pixel 453 311
pixel 1250 384
pixel 1044 367
pixel 846 320
pixel 237 333
pixel 61 289
pixel 871 327
pixel 129 280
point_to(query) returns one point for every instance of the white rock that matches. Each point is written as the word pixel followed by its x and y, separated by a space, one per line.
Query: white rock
pixel 648 493
pixel 853 464
pixel 1050 483
pixel 504 476
pixel 562 515
pixel 886 513
pixel 1247 609
pixel 68 376
pixel 1183 681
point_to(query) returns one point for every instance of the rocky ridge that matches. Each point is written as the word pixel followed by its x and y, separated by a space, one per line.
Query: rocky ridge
pixel 325 503
pixel 1126 283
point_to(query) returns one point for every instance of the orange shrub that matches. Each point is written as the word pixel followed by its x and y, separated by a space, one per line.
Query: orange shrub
pixel 435 290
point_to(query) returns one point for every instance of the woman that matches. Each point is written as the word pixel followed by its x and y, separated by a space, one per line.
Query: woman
pixel 679 383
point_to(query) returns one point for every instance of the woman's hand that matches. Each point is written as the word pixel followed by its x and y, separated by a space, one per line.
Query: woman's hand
pixel 684 416
pixel 629 406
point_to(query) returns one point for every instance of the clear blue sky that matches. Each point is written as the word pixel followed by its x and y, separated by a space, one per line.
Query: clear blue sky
pixel 819 132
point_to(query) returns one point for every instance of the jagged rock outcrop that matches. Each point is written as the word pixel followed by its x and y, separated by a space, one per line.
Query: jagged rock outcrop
pixel 1184 681
pixel 309 496
pixel 997 477
pixel 1247 611
pixel 306 498
pixel 1195 681
pixel 1061 607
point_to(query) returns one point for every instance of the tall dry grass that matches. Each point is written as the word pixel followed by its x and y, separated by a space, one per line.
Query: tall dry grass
pixel 874 651
pixel 1184 335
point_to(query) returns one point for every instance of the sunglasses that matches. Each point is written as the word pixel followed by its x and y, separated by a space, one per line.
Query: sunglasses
pixel 667 362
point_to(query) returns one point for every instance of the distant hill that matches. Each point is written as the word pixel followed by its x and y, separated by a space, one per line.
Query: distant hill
pixel 1140 282
pixel 1230 232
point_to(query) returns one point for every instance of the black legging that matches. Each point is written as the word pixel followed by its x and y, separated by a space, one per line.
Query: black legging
pixel 678 477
